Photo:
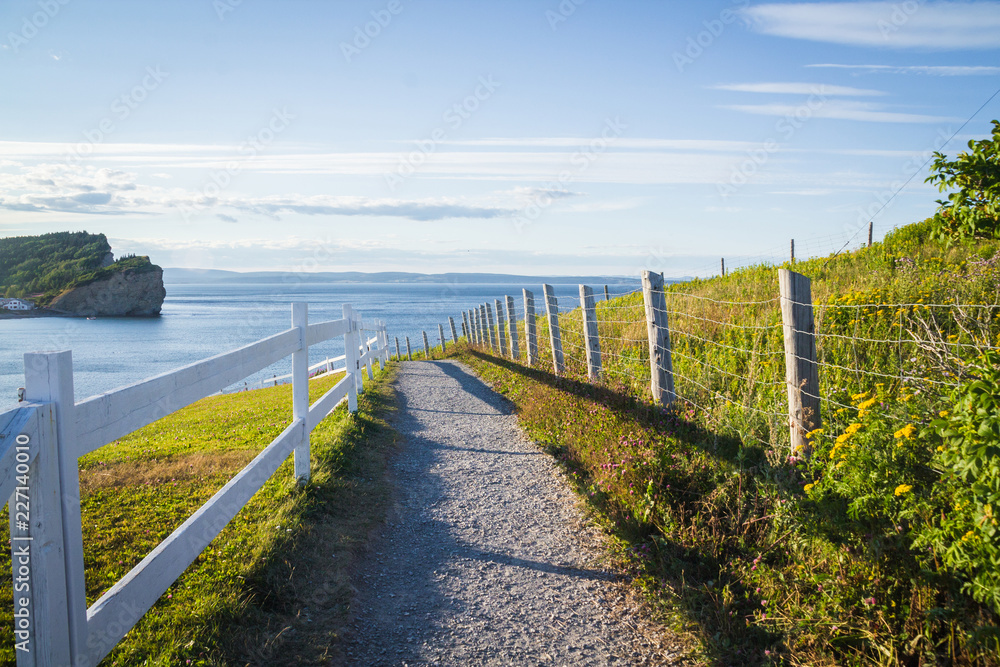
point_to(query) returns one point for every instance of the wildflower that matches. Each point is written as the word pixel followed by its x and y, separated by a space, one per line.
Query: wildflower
pixel 903 488
pixel 905 433
pixel 853 428
pixel 943 413
pixel 808 487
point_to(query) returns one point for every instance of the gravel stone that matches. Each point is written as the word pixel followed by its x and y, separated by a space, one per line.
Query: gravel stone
pixel 486 558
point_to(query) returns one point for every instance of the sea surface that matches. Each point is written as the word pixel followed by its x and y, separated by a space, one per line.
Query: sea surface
pixel 200 321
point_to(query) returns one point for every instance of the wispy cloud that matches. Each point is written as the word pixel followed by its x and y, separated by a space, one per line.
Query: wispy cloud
pixel 931 70
pixel 842 110
pixel 824 89
pixel 934 25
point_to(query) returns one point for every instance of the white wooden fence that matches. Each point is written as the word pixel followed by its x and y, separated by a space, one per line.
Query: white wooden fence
pixel 42 440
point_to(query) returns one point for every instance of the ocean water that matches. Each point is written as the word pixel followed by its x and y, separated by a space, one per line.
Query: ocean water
pixel 200 321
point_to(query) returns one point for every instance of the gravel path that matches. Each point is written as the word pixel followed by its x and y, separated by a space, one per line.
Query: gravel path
pixel 485 558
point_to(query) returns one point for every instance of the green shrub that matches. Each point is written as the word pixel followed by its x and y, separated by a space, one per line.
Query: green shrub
pixel 964 534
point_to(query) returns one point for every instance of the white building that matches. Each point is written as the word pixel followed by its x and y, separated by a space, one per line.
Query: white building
pixel 16 304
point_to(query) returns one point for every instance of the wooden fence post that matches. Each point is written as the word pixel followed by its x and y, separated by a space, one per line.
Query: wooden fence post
pixel 871 224
pixel 531 344
pixel 300 389
pixel 801 370
pixel 351 356
pixel 427 347
pixel 555 337
pixel 476 332
pixel 441 338
pixel 607 297
pixel 466 328
pixel 399 357
pixel 51 540
pixel 501 329
pixel 491 327
pixel 661 365
pixel 590 333
pixel 454 332
pixel 515 352
pixel 723 267
pixel 409 352
pixel 793 250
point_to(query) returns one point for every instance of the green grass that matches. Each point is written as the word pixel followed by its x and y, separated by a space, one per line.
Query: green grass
pixel 759 556
pixel 288 548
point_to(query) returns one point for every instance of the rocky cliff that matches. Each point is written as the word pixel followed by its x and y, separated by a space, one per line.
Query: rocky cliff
pixel 127 293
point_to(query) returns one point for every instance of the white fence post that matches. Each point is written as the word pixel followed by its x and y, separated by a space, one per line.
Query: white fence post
pixel 555 337
pixel 50 538
pixel 427 346
pixel 441 338
pixel 478 327
pixel 454 332
pixel 351 357
pixel 661 367
pixel 491 327
pixel 515 353
pixel 801 370
pixel 409 351
pixel 501 329
pixel 590 332
pixel 531 344
pixel 300 389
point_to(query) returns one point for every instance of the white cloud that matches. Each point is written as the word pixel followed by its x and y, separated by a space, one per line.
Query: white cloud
pixel 932 70
pixel 823 89
pixel 935 25
pixel 841 110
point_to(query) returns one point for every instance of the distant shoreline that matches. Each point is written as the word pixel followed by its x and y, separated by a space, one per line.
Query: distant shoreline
pixel 33 313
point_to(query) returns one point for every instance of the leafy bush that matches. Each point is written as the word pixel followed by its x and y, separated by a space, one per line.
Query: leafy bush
pixel 973 211
pixel 964 534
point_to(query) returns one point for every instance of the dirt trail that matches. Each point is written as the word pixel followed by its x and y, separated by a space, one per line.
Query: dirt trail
pixel 485 558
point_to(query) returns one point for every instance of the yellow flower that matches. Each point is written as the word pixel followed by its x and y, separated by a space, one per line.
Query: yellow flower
pixel 867 404
pixel 855 397
pixel 808 486
pixel 943 413
pixel 852 429
pixel 903 488
pixel 814 432
pixel 905 433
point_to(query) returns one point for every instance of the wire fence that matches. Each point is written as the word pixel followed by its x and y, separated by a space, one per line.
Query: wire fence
pixel 728 356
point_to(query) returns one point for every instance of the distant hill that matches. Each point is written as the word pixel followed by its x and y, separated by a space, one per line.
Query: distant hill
pixel 192 276
pixel 63 267
pixel 50 262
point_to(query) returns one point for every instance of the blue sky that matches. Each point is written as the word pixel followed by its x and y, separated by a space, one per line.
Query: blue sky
pixel 534 137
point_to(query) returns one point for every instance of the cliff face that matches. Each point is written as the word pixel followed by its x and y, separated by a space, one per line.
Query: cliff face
pixel 125 293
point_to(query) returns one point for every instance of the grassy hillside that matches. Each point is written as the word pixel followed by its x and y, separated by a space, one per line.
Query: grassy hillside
pixel 289 549
pixel 879 549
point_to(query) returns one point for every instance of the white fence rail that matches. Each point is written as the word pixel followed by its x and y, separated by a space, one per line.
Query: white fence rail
pixel 42 440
